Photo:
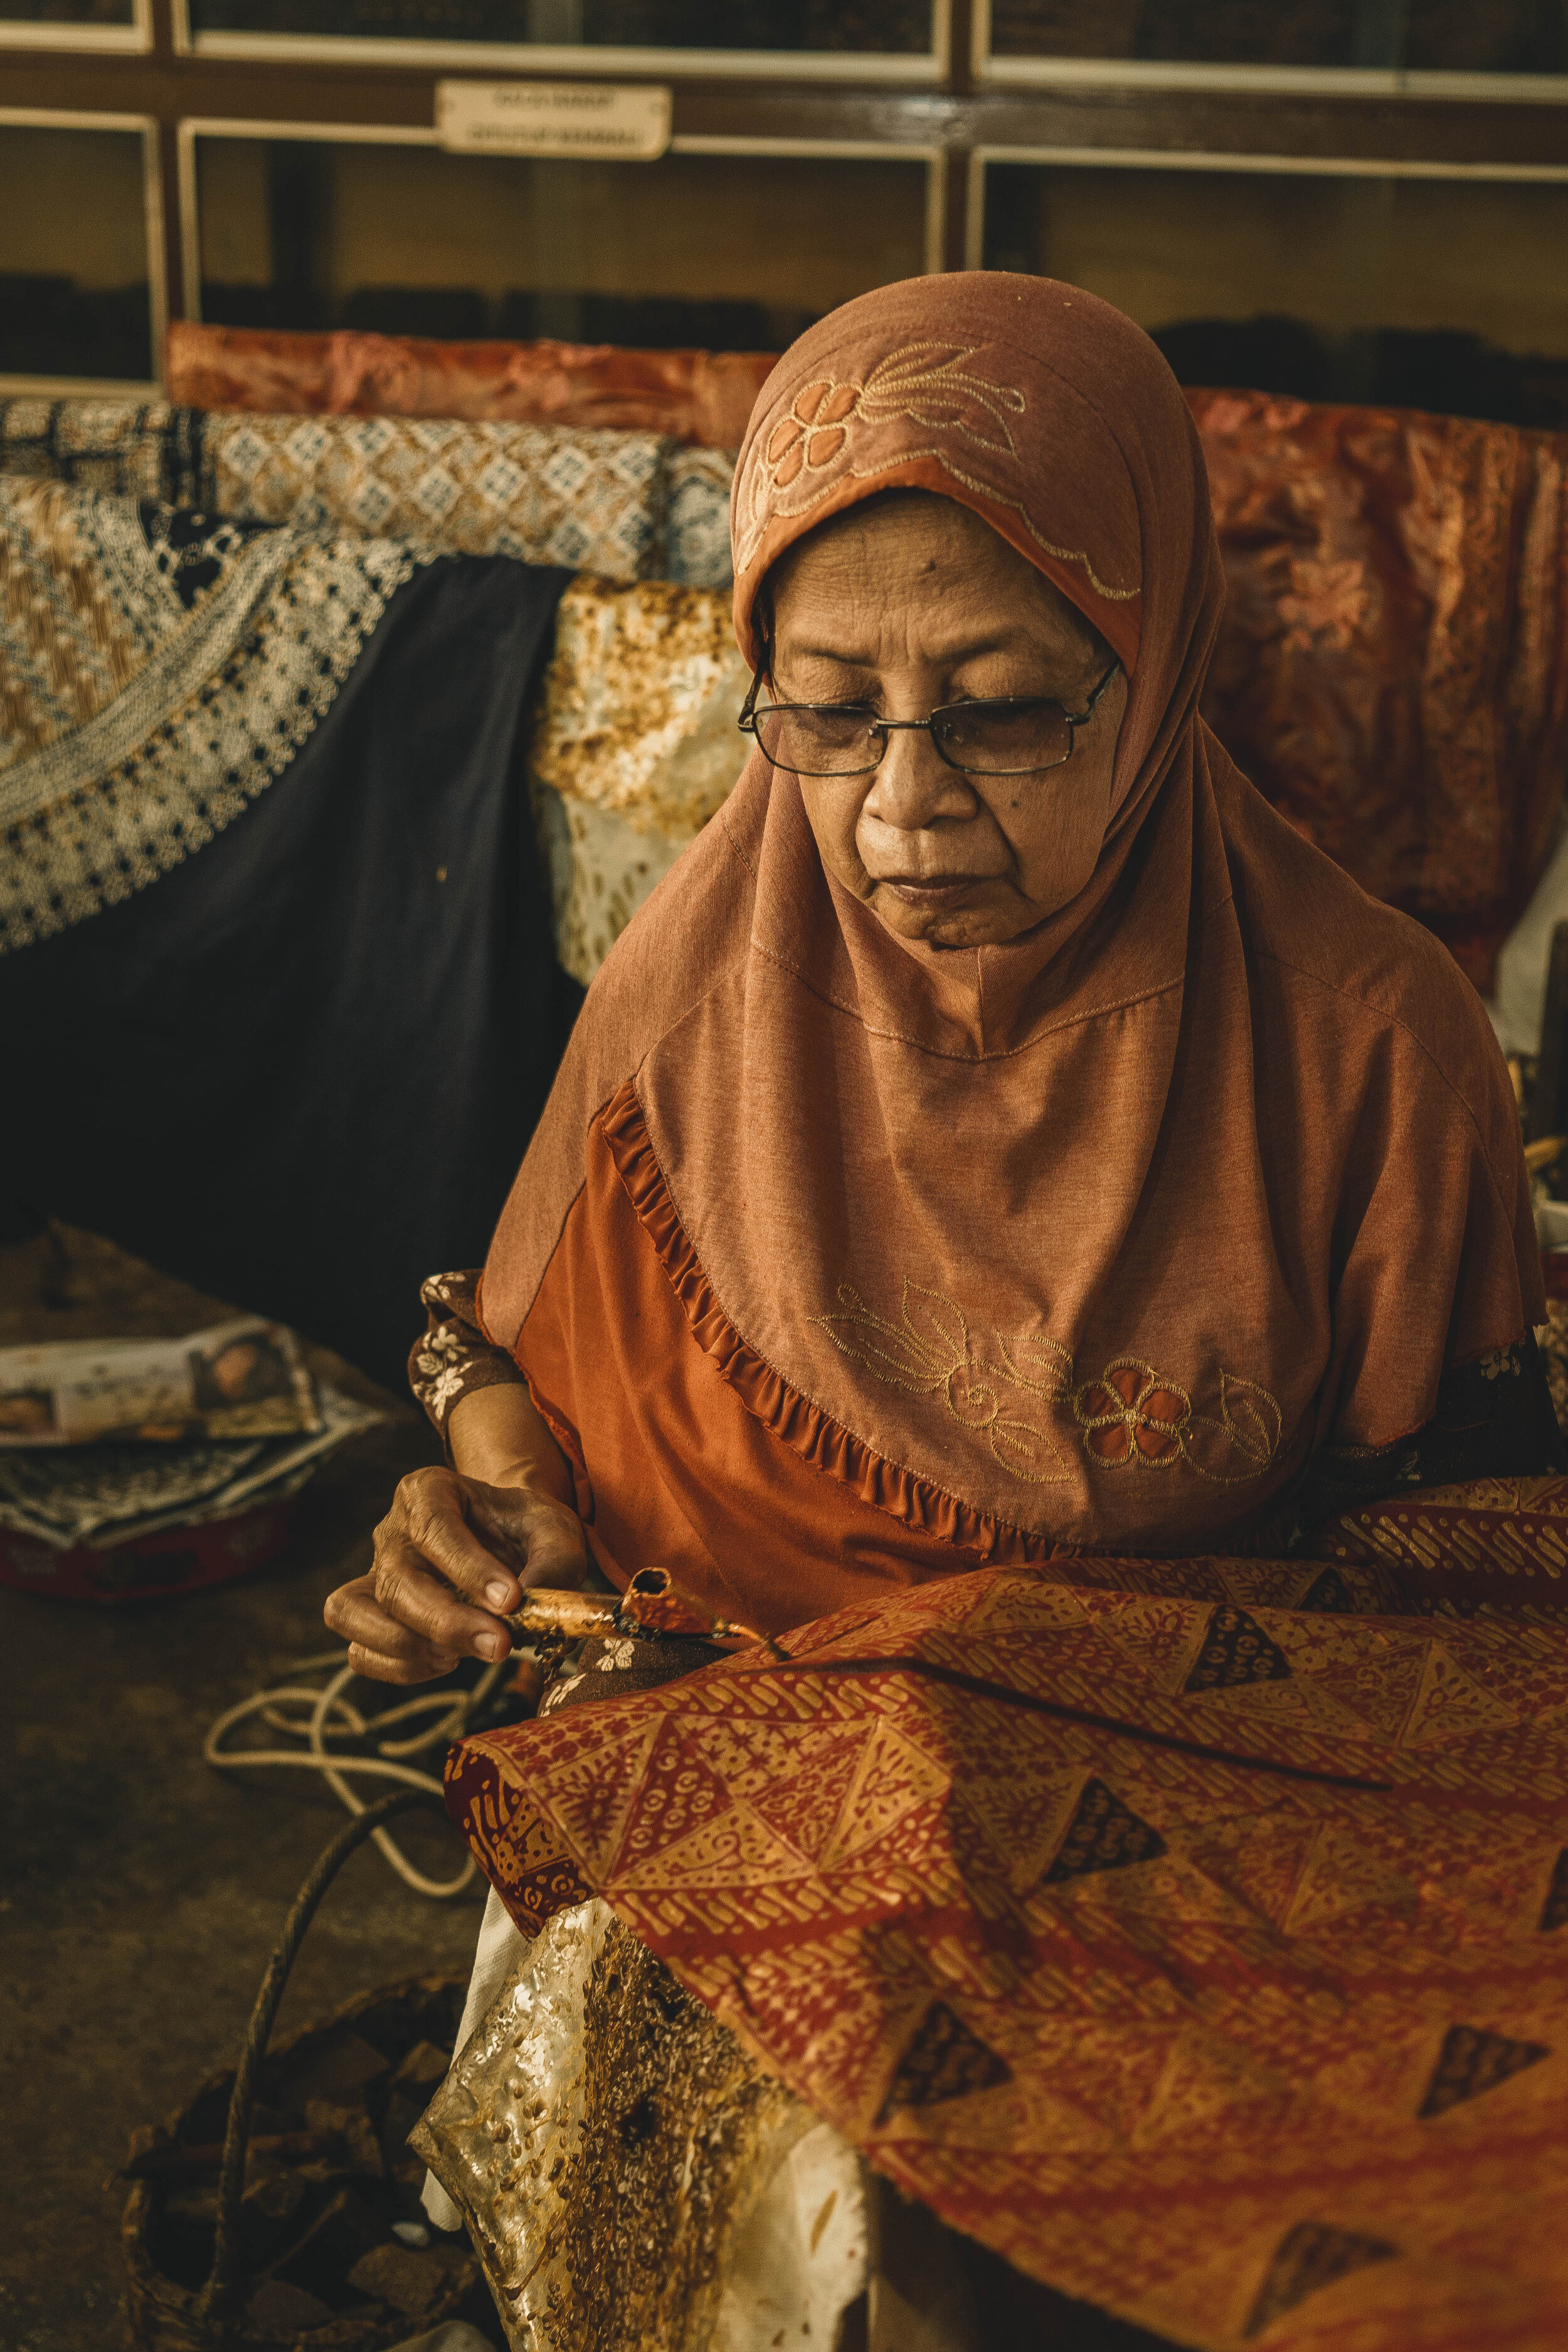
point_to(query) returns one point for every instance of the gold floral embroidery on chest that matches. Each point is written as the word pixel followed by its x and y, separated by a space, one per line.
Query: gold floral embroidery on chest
pixel 1128 1417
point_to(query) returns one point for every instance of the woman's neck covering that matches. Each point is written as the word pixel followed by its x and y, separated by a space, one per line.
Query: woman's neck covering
pixel 1089 1238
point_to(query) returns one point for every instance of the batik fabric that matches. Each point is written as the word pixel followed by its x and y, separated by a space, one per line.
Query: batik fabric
pixel 600 502
pixel 158 670
pixel 136 448
pixel 633 748
pixel 1186 1933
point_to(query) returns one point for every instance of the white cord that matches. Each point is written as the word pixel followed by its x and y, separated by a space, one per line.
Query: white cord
pixel 330 1715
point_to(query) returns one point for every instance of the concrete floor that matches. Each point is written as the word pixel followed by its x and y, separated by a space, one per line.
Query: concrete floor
pixel 142 1891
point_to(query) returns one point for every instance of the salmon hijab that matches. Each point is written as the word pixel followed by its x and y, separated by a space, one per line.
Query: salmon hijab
pixel 839 1260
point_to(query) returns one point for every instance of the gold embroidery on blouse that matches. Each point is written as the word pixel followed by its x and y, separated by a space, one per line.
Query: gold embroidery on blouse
pixel 928 1353
pixel 1131 1417
pixel 929 384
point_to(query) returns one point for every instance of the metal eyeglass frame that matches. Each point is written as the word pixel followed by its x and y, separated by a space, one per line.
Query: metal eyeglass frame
pixel 883 727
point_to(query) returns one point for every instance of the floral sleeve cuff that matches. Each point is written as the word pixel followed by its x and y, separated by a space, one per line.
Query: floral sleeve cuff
pixel 454 1358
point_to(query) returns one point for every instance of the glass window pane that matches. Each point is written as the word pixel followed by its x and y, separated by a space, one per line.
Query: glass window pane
pixel 899 27
pixel 67 12
pixel 73 254
pixel 1515 36
pixel 1440 294
pixel 724 252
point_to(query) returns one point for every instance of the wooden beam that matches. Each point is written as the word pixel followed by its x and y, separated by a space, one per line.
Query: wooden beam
pixel 1219 121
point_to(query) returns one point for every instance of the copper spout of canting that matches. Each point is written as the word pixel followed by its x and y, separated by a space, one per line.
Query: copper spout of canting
pixel 575 1614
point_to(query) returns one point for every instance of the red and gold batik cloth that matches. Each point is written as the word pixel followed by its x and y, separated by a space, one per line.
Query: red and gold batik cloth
pixel 1199 1952
pixel 838 1261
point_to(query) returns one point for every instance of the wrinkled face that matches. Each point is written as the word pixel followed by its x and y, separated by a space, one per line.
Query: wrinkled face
pixel 907 603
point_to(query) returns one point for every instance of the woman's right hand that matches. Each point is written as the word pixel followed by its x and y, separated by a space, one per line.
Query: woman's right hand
pixel 451 1556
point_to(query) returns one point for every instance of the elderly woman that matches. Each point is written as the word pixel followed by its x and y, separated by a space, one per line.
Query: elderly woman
pixel 1001 1141
pixel 1002 1136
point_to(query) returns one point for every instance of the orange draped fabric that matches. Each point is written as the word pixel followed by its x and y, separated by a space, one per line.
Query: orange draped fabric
pixel 1188 1940
pixel 1393 670
pixel 704 397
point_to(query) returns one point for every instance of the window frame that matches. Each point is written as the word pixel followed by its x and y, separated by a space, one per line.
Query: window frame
pixel 590 60
pixel 66 387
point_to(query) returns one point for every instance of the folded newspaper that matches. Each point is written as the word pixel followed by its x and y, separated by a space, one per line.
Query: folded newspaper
pixel 108 1494
pixel 244 1378
pixel 105 1441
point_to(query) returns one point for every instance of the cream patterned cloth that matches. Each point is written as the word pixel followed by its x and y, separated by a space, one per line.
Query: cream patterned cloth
pixel 696 528
pixel 543 494
pixel 135 449
pixel 158 670
pixel 625 506
pixel 635 748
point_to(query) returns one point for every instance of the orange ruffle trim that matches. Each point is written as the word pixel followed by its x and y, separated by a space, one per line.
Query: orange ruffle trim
pixel 792 1418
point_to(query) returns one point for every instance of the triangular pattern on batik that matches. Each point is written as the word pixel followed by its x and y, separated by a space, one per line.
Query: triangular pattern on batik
pixel 1344 1873
pixel 1204 2089
pixel 1369 2064
pixel 1027 1604
pixel 1102 2075
pixel 1257 1858
pixel 1285 1584
pixel 749 1757
pixel 849 2048
pixel 946 2060
pixel 1310 2256
pixel 1103 1833
pixel 1479 1869
pixel 892 1781
pixel 593 1797
pixel 678 1793
pixel 1450 1704
pixel 1328 1595
pixel 736 1848
pixel 1379 1691
pixel 1554 1909
pixel 806 1804
pixel 1017 1818
pixel 1235 1653
pixel 1474 2060
pixel 1162 1636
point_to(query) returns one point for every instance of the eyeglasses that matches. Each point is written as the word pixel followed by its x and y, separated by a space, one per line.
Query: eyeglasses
pixel 1015 736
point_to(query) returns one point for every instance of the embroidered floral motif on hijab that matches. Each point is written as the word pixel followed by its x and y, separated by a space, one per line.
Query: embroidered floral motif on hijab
pixel 924 383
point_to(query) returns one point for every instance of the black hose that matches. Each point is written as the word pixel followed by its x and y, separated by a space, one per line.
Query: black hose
pixel 218 2295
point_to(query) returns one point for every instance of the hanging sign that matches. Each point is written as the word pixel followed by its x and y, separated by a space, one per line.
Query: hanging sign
pixel 619 121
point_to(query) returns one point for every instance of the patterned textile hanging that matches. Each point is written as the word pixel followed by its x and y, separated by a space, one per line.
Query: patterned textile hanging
pixel 277 981
pixel 1393 670
pixel 624 505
